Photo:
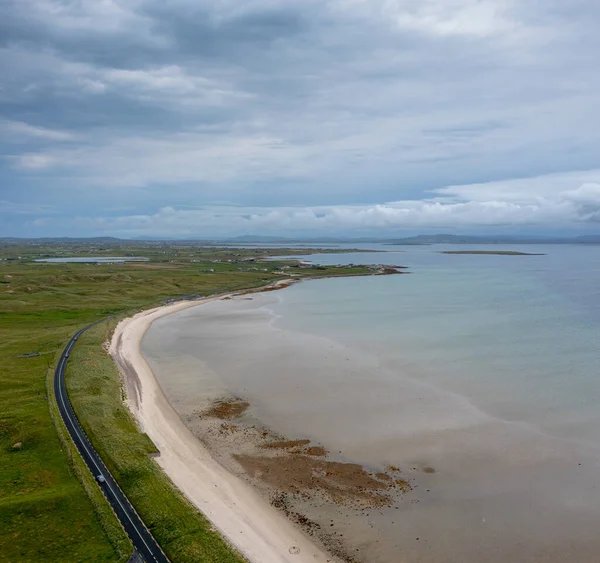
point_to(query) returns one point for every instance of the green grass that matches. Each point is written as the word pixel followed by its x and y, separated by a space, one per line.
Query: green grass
pixel 45 514
pixel 93 384
pixel 50 507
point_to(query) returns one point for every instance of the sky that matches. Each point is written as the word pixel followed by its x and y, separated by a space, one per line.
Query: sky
pixel 194 118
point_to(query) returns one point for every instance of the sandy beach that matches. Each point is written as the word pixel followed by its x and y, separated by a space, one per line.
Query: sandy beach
pixel 258 530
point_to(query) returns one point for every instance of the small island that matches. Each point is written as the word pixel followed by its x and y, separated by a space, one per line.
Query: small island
pixel 499 252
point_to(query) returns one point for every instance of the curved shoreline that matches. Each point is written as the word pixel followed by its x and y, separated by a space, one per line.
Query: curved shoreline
pixel 257 530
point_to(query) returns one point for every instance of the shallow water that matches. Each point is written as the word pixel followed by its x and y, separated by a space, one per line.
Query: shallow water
pixel 482 367
pixel 93 259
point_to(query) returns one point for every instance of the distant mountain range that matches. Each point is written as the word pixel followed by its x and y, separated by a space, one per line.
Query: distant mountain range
pixel 494 239
pixel 419 239
pixel 256 239
pixel 40 240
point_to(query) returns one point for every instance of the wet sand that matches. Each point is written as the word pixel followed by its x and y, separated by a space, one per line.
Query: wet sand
pixel 456 484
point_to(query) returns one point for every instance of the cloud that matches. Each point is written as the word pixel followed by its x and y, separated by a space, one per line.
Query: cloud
pixel 586 200
pixel 34 161
pixel 523 190
pixel 478 18
pixel 571 207
pixel 83 19
pixel 9 207
pixel 19 129
pixel 165 83
pixel 315 105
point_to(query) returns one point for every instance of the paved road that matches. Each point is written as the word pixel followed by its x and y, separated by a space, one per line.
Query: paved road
pixel 142 539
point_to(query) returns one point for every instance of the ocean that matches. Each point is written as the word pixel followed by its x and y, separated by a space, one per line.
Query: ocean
pixel 481 369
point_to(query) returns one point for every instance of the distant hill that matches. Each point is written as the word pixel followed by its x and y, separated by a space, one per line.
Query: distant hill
pixel 493 239
pixel 252 239
pixel 418 239
pixel 258 239
pixel 595 239
pixel 45 240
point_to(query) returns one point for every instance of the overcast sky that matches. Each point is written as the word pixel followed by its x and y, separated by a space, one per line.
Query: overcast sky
pixel 226 117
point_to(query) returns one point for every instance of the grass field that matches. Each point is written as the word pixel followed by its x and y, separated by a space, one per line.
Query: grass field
pixel 50 507
pixel 94 389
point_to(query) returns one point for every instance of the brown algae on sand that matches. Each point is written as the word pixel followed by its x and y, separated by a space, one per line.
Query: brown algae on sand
pixel 226 409
pixel 285 444
pixel 317 451
pixel 297 467
pixel 298 476
pixel 301 474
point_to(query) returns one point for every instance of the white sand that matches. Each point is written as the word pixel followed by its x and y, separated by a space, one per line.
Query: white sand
pixel 260 532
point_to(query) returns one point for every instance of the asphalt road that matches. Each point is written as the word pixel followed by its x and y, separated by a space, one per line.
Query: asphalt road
pixel 142 539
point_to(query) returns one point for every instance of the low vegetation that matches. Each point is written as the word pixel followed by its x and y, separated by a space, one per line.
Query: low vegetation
pixel 50 507
pixel 94 387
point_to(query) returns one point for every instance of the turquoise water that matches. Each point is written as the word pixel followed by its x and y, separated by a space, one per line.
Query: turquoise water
pixel 518 335
pixel 482 367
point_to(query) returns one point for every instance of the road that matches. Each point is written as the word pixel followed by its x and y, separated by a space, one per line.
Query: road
pixel 142 539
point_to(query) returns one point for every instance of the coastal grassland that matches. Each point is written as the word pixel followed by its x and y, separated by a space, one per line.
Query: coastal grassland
pixel 45 514
pixel 50 508
pixel 155 251
pixel 94 387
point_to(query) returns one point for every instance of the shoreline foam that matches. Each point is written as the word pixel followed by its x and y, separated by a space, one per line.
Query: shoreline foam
pixel 256 529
